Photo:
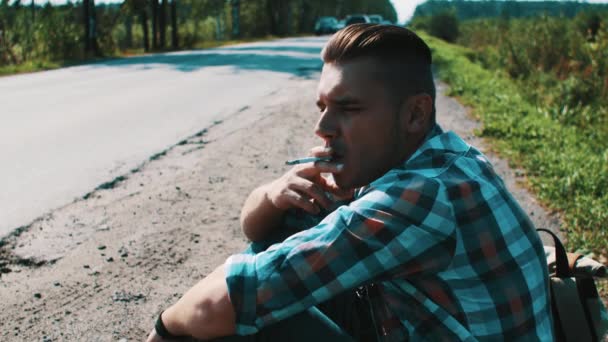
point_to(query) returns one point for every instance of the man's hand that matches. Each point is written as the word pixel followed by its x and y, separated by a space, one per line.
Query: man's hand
pixel 301 187
pixel 305 187
pixel 203 312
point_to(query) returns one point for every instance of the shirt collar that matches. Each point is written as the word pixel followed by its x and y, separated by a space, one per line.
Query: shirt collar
pixel 436 140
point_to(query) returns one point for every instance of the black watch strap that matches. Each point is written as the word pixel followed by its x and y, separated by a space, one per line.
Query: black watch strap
pixel 162 331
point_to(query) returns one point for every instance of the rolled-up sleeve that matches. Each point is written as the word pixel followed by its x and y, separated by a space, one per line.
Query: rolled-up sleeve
pixel 399 230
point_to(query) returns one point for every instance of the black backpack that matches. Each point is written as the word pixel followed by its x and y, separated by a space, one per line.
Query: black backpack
pixel 578 311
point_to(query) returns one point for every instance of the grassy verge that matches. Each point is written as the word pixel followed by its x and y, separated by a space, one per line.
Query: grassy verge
pixel 566 167
pixel 208 44
pixel 41 65
pixel 30 66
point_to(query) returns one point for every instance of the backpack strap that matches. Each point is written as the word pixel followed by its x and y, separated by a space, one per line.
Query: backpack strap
pixel 578 312
pixel 572 259
pixel 562 269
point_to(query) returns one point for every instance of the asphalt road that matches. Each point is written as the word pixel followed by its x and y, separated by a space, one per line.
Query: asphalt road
pixel 65 132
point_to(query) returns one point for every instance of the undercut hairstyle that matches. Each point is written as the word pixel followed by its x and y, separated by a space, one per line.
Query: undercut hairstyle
pixel 404 58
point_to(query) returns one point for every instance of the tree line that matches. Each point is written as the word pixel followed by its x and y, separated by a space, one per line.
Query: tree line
pixel 562 61
pixel 466 9
pixel 86 29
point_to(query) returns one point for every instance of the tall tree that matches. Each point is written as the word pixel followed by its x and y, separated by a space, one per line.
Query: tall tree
pixel 86 7
pixel 219 25
pixel 30 32
pixel 94 43
pixel 6 53
pixel 90 35
pixel 287 16
pixel 140 8
pixel 143 17
pixel 129 30
pixel 162 23
pixel 279 15
pixel 174 33
pixel 305 21
pixel 154 5
pixel 273 16
pixel 236 13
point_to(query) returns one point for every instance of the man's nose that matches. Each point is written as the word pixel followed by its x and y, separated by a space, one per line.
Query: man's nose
pixel 326 127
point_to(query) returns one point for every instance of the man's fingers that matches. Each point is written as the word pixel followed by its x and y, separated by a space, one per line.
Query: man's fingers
pixel 153 337
pixel 328 167
pixel 311 170
pixel 338 193
pixel 343 194
pixel 303 187
pixel 312 191
pixel 303 202
pixel 320 151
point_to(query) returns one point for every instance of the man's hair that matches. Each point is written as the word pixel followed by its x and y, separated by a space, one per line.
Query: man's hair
pixel 404 58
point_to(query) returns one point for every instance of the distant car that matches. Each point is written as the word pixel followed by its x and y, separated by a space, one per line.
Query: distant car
pixel 356 19
pixel 375 18
pixel 326 25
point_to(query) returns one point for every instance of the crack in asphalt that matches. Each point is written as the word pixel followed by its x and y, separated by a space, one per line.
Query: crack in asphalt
pixel 8 243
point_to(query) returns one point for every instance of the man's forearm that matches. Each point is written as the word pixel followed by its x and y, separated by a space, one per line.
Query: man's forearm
pixel 259 216
pixel 205 311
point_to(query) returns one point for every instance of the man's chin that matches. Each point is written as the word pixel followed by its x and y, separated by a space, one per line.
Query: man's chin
pixel 343 181
pixel 338 179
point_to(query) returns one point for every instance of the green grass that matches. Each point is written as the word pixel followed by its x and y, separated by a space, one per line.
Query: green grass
pixel 30 66
pixel 566 167
pixel 207 44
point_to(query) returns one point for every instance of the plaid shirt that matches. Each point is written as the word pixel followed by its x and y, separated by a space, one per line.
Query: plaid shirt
pixel 451 255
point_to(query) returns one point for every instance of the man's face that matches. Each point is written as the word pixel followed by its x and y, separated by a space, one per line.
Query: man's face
pixel 360 121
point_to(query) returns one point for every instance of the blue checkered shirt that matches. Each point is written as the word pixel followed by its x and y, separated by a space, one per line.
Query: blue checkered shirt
pixel 450 252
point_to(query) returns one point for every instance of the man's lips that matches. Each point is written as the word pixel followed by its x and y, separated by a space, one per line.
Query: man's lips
pixel 336 153
pixel 337 158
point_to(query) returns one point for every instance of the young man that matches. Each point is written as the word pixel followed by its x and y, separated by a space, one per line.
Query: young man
pixel 413 237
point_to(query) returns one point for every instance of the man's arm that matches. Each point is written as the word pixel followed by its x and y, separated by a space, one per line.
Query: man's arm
pixel 204 312
pixel 301 187
pixel 403 230
pixel 259 216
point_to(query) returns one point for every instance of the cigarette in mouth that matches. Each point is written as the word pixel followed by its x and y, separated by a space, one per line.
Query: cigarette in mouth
pixel 307 160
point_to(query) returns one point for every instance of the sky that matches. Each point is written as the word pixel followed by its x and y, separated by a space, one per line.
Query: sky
pixel 405 8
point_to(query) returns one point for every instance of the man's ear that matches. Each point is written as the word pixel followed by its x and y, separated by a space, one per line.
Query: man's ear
pixel 420 108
